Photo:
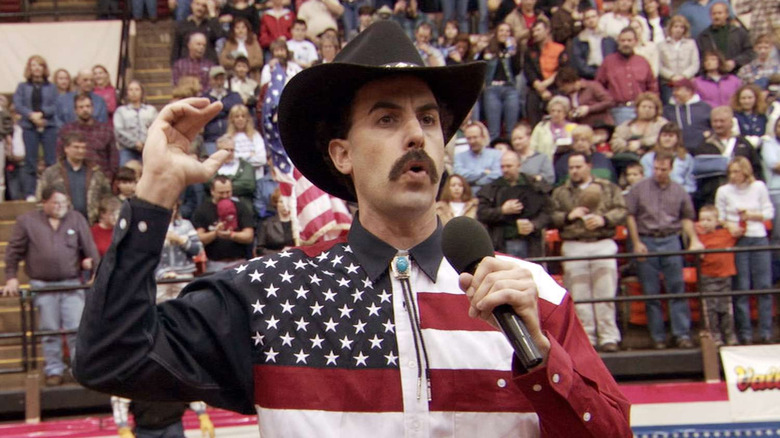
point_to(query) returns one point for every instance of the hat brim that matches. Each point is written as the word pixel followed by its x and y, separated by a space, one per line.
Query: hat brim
pixel 310 95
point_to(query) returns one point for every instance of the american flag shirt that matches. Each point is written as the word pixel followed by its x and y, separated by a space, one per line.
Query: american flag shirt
pixel 333 348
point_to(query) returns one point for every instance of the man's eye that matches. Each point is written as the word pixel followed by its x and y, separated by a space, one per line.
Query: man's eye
pixel 429 119
pixel 386 119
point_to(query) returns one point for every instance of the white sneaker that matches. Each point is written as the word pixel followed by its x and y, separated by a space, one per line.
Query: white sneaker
pixel 31 198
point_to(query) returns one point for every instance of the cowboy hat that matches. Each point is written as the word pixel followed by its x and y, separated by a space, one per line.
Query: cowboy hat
pixel 314 99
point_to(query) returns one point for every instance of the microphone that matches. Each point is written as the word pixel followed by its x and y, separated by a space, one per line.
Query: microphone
pixel 465 242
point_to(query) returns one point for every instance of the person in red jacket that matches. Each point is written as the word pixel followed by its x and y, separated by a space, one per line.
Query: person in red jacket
pixel 276 22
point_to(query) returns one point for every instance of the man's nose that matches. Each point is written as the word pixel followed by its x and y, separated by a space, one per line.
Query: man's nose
pixel 415 137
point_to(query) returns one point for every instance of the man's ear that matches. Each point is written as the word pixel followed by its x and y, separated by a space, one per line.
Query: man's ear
pixel 338 149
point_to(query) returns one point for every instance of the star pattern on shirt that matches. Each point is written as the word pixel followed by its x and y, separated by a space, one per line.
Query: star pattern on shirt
pixel 318 310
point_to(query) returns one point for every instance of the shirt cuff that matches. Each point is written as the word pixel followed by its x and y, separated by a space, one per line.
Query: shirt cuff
pixel 550 382
pixel 142 226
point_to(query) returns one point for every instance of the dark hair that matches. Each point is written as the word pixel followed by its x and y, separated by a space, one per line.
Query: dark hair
pixel 588 158
pixel 366 10
pixel 81 96
pixel 49 191
pixel 125 174
pixel 274 198
pixel 222 179
pixel 447 196
pixel 721 60
pixel 635 165
pixel 243 59
pixel 663 156
pixel 299 21
pixel 109 203
pixel 628 29
pixel 73 137
pixel 566 75
pixel 232 35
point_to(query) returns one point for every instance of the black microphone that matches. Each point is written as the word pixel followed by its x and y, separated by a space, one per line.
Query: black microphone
pixel 465 242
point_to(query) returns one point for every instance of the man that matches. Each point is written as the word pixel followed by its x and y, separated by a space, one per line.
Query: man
pixel 690 113
pixel 515 208
pixel 542 62
pixel 227 238
pixel 218 93
pixel 658 210
pixel 195 64
pixel 698 14
pixel 319 15
pixel 479 165
pixel 721 143
pixel 422 40
pixel 198 22
pixel 625 75
pixel 56 245
pixel 239 171
pixel 732 41
pixel 64 112
pixel 590 101
pixel 84 182
pixel 589 48
pixel 99 137
pixel 587 227
pixel 380 141
pixel 761 69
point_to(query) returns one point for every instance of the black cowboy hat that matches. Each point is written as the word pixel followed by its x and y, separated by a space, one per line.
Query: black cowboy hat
pixel 312 98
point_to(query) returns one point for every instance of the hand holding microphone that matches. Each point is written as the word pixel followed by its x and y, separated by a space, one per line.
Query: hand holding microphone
pixel 500 292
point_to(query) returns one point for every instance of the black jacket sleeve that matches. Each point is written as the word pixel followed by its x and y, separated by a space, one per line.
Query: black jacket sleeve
pixel 193 348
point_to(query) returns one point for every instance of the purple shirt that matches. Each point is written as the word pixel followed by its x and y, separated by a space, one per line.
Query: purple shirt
pixel 659 209
pixel 626 77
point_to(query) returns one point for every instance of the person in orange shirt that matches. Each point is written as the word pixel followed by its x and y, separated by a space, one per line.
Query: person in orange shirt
pixel 542 62
pixel 716 272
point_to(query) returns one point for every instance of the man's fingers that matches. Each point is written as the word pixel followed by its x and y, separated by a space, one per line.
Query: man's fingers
pixel 213 163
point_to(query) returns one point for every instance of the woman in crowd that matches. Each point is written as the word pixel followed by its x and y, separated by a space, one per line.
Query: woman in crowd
pixel 241 43
pixel 176 259
pixel 743 206
pixel 447 39
pixel 456 200
pixel 275 233
pixel 644 47
pixel 715 85
pixel 35 100
pixel 103 88
pixel 651 11
pixel 500 97
pixel 678 55
pixel 248 142
pixel 329 48
pixel 461 51
pixel 131 123
pixel 749 110
pixel 552 137
pixel 639 135
pixel 670 141
pixel 611 23
pixel 62 81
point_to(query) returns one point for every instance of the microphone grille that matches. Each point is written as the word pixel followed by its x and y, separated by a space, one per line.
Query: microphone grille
pixel 465 242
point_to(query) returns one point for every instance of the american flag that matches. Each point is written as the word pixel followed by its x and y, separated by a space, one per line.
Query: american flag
pixel 319 216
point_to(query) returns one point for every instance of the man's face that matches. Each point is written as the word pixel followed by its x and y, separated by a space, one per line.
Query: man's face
pixel 475 139
pixel 721 123
pixel 763 50
pixel 299 32
pixel 221 190
pixel 539 33
pixel 570 87
pixel 56 206
pixel 521 140
pixel 510 167
pixel 197 46
pixel 708 221
pixel 394 150
pixel 84 109
pixel 280 53
pixel 199 8
pixel 626 43
pixel 634 175
pixel 682 94
pixel 218 82
pixel 86 81
pixel 75 152
pixel 661 171
pixel 231 148
pixel 579 170
pixel 719 13
pixel 423 35
pixel 591 19
pixel 582 143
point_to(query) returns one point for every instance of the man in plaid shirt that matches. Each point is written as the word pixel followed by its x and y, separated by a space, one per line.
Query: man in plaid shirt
pixel 101 149
pixel 195 64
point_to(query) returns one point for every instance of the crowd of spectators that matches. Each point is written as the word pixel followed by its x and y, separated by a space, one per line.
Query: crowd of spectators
pixel 596 116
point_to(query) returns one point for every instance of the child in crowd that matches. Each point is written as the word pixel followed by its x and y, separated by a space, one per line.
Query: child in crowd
pixel 108 213
pixel 750 110
pixel 304 51
pixel 124 183
pixel 716 272
pixel 241 83
pixel 634 173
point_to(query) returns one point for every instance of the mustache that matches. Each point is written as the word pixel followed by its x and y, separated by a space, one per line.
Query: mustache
pixel 415 158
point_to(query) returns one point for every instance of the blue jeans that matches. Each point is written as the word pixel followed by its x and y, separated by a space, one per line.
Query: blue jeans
pixel 183 10
pixel 671 267
pixel 33 139
pixel 126 155
pixel 517 247
pixel 350 17
pixel 484 15
pixel 58 311
pixel 456 9
pixel 175 430
pixel 754 271
pixel 501 100
pixel 623 114
pixel 151 8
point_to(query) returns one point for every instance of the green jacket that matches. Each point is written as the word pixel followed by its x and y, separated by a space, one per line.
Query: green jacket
pixel 611 206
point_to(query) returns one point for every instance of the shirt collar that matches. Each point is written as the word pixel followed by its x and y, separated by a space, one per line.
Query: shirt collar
pixel 375 255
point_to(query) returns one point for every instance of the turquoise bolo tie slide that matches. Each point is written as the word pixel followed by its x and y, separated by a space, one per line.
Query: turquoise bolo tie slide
pixel 401 265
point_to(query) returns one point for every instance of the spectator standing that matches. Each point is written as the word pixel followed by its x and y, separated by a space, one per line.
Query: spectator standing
pixel 638 135
pixel 218 92
pixel 612 23
pixel 522 19
pixel 226 232
pixel 131 123
pixel 138 9
pixel 108 213
pixel 743 206
pixel 730 40
pixel 658 210
pixel 750 111
pixel 716 84
pixel 532 162
pixel 83 180
pixel 552 137
pixel 587 210
pixel 35 101
pixel 456 200
pixel 195 64
pixel 55 244
pixel 99 136
pixel 678 56
pixel 276 22
pixel 500 96
pixel 591 46
pixel 319 15
pixel 85 85
pixel 689 112
pixel 764 66
pixel 516 209
pixel 104 89
pixel 62 81
pixel 275 232
pixel 478 165
pixel 645 48
pixel 248 142
pixel 566 22
pixel 625 75
pixel 591 103
pixel 697 12
pixel 717 271
pixel 198 22
pixel 304 52
pixel 651 12
pixel 542 61
pixel 670 142
pixel 241 43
